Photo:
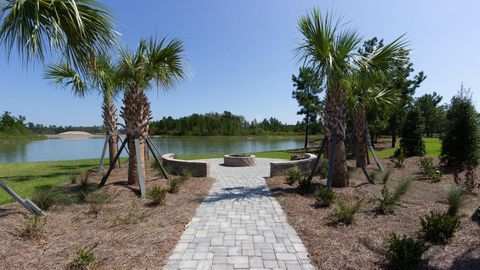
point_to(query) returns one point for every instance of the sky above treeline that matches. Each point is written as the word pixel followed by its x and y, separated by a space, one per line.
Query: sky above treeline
pixel 241 55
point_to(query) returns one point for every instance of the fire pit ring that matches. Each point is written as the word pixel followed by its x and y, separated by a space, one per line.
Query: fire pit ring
pixel 239 160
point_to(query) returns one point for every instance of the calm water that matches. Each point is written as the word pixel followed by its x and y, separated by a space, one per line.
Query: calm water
pixel 68 149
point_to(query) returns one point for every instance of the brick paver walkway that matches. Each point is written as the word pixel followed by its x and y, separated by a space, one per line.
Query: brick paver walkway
pixel 239 226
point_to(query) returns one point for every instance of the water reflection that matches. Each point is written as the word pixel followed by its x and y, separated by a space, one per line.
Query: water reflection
pixel 68 149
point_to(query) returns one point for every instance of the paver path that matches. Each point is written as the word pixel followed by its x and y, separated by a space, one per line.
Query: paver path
pixel 239 226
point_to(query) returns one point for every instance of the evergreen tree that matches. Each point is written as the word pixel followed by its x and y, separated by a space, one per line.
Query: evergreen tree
pixel 411 143
pixel 461 142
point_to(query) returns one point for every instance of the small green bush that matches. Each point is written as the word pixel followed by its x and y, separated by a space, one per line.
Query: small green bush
pixel 411 142
pixel 439 227
pixel 97 201
pixel 45 198
pixel 398 159
pixel 293 175
pixel 85 258
pixel 324 197
pixel 304 184
pixel 157 195
pixel 85 187
pixel 456 198
pixel 33 226
pixel 404 252
pixel 174 185
pixel 345 214
pixel 429 170
pixel 185 174
pixel 322 169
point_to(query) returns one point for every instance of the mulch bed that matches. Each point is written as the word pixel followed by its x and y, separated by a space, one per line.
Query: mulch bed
pixel 362 244
pixel 130 233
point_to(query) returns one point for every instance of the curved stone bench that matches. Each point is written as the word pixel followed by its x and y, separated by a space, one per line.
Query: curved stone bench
pixel 278 168
pixel 196 168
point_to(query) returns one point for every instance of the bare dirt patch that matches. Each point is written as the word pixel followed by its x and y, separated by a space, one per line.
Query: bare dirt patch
pixel 130 233
pixel 362 245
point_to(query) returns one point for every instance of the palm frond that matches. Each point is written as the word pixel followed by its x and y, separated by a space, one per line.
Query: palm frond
pixel 64 76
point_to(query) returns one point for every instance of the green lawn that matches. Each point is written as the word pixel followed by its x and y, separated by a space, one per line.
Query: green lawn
pixel 25 177
pixel 432 145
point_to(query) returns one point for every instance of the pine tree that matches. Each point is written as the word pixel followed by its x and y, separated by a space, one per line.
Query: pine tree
pixel 411 143
pixel 461 142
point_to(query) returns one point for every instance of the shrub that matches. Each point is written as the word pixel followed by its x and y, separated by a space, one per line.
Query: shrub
pixel 174 185
pixel 461 141
pixel 398 159
pixel 345 214
pixel 404 252
pixel 84 258
pixel 304 184
pixel 97 201
pixel 456 198
pixel 324 197
pixel 428 170
pixel 33 226
pixel 293 175
pixel 157 195
pixel 470 180
pixel 411 143
pixel 185 174
pixel 85 187
pixel 132 217
pixel 322 169
pixel 439 227
pixel 44 198
pixel 390 201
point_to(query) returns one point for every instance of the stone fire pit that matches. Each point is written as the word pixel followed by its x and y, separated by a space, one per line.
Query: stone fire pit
pixel 241 160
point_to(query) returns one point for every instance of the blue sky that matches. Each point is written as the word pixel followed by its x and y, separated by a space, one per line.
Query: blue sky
pixel 241 54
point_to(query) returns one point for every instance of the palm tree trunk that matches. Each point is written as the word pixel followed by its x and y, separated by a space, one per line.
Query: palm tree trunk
pixel 360 130
pixel 110 123
pixel 307 122
pixel 394 131
pixel 336 115
pixel 136 114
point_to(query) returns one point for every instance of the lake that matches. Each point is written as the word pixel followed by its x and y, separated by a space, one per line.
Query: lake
pixel 82 148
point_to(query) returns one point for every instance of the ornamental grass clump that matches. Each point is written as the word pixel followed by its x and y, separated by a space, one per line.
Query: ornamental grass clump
pixel 456 198
pixel 439 227
pixel 324 197
pixel 84 258
pixel 157 196
pixel 390 200
pixel 33 226
pixel 174 185
pixel 97 201
pixel 404 253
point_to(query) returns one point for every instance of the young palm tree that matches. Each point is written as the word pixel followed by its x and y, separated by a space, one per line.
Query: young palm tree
pixel 331 51
pixel 367 93
pixel 154 63
pixel 101 78
pixel 76 29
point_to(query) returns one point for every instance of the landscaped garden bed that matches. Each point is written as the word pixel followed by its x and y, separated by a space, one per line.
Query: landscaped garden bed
pixel 362 245
pixel 123 230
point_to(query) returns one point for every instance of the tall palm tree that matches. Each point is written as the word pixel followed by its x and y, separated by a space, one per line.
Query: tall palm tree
pixel 101 78
pixel 331 51
pixel 76 29
pixel 368 92
pixel 153 63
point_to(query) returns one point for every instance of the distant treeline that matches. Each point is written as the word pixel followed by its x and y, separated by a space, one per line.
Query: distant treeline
pixel 53 129
pixel 13 128
pixel 225 124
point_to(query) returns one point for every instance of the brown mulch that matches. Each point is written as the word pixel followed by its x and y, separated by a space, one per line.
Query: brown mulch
pixel 362 244
pixel 130 233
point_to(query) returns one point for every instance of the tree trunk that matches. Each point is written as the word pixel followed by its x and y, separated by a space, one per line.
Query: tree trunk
pixel 110 123
pixel 336 115
pixel 360 130
pixel 136 114
pixel 307 122
pixel 394 131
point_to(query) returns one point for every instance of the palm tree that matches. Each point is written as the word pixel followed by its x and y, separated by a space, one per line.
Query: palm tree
pixel 368 92
pixel 331 51
pixel 101 78
pixel 76 29
pixel 154 63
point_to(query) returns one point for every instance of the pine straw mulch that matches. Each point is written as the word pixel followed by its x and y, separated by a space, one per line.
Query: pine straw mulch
pixel 362 244
pixel 130 233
